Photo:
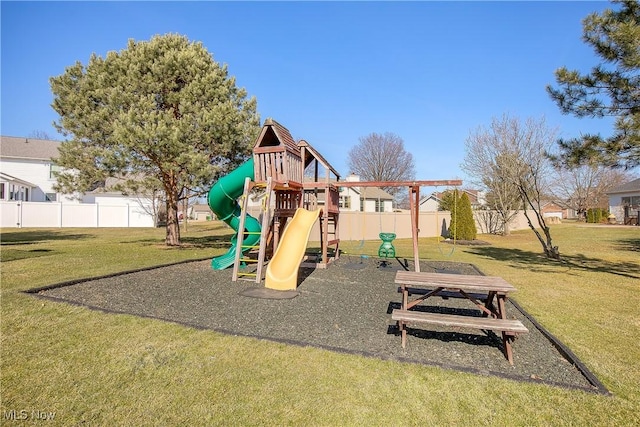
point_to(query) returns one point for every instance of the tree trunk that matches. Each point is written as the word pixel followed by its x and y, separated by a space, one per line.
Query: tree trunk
pixel 547 245
pixel 506 229
pixel 173 226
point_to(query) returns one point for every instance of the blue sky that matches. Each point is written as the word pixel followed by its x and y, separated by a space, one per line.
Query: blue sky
pixel 331 72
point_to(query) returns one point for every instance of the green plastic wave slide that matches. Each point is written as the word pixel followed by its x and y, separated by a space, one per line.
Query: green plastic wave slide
pixel 222 200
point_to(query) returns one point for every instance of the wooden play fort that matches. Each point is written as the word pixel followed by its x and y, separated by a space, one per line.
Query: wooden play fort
pixel 294 175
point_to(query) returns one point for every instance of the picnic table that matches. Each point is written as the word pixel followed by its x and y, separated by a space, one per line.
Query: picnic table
pixel 488 293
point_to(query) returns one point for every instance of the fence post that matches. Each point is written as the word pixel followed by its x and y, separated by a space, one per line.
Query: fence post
pixel 19 207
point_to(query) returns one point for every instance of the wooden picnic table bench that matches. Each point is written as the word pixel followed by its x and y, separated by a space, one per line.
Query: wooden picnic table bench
pixel 494 290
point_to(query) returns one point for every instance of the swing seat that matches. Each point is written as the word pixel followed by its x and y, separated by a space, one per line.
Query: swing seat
pixel 387 250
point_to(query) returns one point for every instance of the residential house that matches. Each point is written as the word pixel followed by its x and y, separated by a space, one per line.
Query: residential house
pixel 364 199
pixel 27 169
pixel 431 203
pixel 27 174
pixel 624 202
pixel 201 212
pixel 553 211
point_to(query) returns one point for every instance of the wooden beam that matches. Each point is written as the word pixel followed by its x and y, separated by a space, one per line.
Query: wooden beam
pixel 432 183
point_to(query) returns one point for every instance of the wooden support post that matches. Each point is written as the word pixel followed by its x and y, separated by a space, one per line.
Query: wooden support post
pixel 240 234
pixel 324 235
pixel 414 207
pixel 264 231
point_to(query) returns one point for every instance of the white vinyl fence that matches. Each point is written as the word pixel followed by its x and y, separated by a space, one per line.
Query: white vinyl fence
pixel 353 225
pixel 52 214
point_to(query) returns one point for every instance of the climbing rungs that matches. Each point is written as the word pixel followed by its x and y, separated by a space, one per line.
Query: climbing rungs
pixel 244 234
pixel 246 274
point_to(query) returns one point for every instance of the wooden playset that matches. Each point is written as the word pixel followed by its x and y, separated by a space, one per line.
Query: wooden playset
pixel 293 175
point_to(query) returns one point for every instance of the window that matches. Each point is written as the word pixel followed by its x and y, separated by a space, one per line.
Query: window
pixel 53 168
pixel 50 197
pixel 631 201
pixel 1 190
pixel 379 205
pixel 345 202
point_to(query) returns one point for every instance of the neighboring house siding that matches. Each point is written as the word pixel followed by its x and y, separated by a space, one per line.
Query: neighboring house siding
pixel 365 199
pixel 29 160
pixel 350 199
pixel 625 199
pixel 34 171
pixel 430 204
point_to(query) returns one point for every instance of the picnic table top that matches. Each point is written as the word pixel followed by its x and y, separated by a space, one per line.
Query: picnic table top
pixel 455 281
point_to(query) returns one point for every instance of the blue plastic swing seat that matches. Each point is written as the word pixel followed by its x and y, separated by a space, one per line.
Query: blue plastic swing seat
pixel 387 250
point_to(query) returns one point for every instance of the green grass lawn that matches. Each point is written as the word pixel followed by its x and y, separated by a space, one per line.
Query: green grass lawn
pixel 93 368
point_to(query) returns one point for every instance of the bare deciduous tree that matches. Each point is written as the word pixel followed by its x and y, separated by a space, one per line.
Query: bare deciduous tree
pixel 382 157
pixel 40 134
pixel 486 160
pixel 511 158
pixel 584 187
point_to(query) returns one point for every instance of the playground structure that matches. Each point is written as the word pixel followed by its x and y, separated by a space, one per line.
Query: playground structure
pixel 299 187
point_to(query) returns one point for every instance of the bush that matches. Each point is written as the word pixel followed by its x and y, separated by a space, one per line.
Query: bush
pixel 597 215
pixel 463 225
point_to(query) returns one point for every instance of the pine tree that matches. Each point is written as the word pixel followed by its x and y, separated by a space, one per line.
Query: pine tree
pixel 161 109
pixel 454 224
pixel 465 213
pixel 610 89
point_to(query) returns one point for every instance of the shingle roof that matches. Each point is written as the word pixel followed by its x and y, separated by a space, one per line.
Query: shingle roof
pixel 631 186
pixel 282 134
pixel 28 148
pixel 10 178
pixel 374 193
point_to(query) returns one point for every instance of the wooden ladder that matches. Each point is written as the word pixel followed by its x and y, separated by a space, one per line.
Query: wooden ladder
pixel 329 236
pixel 264 232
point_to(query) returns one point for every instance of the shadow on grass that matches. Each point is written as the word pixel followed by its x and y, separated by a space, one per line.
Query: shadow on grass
pixel 11 254
pixel 31 237
pixel 631 245
pixel 202 242
pixel 217 241
pixel 535 261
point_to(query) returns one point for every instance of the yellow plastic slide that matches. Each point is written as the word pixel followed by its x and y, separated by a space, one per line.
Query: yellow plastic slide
pixel 282 270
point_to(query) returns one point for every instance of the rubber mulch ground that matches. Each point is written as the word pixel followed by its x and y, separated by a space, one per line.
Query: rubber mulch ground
pixel 346 308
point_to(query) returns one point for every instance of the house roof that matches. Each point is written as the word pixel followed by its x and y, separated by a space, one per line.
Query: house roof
pixel 375 193
pixel 437 196
pixel 199 207
pixel 629 187
pixel 271 128
pixel 434 196
pixel 28 148
pixel 9 178
pixel 369 193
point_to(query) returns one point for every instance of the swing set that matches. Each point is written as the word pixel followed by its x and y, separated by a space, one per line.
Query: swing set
pixel 386 249
pixel 439 234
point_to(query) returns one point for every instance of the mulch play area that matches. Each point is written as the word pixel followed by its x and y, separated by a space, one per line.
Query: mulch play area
pixel 344 308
